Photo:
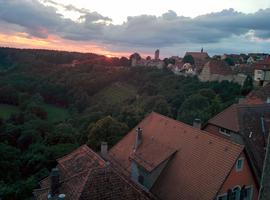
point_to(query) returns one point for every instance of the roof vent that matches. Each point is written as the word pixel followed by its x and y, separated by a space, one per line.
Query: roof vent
pixel 138 139
pixel 55 181
pixel 104 150
pixel 197 123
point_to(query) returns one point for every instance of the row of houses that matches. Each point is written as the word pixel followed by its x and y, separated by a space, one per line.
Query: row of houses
pixel 213 69
pixel 161 158
pixel 217 69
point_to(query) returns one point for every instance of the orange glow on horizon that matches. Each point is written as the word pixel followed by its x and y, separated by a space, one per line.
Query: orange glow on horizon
pixel 53 42
pixel 109 56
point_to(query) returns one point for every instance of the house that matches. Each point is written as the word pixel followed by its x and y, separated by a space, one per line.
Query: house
pixel 236 58
pixel 200 58
pixel 262 72
pixel 219 70
pixel 185 69
pixel 250 60
pixel 265 183
pixel 175 161
pixel 138 61
pixel 84 175
pixel 245 124
pixel 259 95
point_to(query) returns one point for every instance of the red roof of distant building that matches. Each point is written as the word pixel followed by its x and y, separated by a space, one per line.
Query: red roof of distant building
pixel 219 67
pixel 199 161
pixel 198 55
pixel 259 95
pixel 264 64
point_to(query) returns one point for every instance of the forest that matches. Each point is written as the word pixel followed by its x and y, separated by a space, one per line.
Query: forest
pixel 48 107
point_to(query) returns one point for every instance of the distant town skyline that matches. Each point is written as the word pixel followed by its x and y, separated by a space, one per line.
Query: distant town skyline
pixel 122 27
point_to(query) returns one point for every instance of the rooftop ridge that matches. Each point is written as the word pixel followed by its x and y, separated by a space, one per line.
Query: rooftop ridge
pixel 199 130
pixel 222 112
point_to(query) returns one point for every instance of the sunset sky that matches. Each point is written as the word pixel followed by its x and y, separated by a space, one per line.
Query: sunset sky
pixel 121 27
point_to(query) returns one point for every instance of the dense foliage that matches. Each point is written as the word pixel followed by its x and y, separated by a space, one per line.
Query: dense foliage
pixel 104 98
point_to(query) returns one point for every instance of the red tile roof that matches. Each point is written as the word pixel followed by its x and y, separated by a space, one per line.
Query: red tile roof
pixel 85 176
pixel 198 55
pixel 251 122
pixel 219 67
pixel 228 119
pixel 196 171
pixel 149 160
pixel 258 96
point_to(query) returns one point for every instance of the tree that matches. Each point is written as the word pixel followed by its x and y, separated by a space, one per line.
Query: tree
pixel 106 129
pixel 9 163
pixel 247 86
pixel 131 115
pixel 229 61
pixel 195 106
pixel 189 59
pixel 62 133
pixel 157 104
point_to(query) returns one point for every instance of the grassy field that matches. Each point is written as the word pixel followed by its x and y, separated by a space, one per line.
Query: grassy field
pixel 54 113
pixel 116 93
pixel 7 110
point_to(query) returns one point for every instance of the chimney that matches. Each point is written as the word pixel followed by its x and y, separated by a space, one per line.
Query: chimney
pixel 61 197
pixel 55 181
pixel 197 123
pixel 241 100
pixel 104 149
pixel 138 139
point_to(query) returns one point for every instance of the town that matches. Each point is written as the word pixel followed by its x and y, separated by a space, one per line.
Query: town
pixel 225 158
pixel 134 100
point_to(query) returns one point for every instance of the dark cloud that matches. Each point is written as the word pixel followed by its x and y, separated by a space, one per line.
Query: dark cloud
pixel 142 31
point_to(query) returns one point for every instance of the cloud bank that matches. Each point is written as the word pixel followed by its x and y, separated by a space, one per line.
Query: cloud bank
pixel 139 32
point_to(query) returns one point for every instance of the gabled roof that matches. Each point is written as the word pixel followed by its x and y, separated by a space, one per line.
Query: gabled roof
pixel 227 119
pixel 263 65
pixel 265 183
pixel 84 175
pixel 254 128
pixel 146 157
pixel 198 55
pixel 219 67
pixel 258 96
pixel 252 123
pixel 200 158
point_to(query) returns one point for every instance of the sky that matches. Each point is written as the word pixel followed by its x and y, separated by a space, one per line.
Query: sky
pixel 121 27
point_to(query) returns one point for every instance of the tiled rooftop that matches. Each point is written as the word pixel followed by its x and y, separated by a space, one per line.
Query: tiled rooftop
pixel 198 157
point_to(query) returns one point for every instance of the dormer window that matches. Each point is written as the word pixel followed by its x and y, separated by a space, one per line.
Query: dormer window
pixel 239 164
pixel 225 131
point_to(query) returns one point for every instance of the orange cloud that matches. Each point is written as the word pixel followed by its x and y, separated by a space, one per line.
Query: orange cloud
pixel 23 40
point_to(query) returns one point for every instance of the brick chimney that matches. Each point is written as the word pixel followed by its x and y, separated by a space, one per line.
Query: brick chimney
pixel 197 123
pixel 104 150
pixel 138 139
pixel 55 182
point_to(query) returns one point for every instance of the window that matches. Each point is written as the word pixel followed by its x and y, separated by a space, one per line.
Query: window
pixel 222 197
pixel 248 193
pixel 239 164
pixel 236 193
pixel 224 131
pixel 141 179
